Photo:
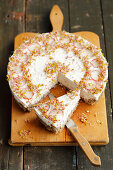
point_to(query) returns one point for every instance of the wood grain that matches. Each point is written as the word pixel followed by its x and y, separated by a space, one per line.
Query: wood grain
pixel 37 15
pixel 48 158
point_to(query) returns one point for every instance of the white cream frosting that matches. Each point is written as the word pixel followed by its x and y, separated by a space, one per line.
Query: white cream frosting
pixel 74 62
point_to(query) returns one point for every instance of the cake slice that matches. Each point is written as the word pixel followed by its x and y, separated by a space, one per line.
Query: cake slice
pixel 55 112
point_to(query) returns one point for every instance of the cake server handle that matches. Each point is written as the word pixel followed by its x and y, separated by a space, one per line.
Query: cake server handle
pixel 84 144
pixel 56 18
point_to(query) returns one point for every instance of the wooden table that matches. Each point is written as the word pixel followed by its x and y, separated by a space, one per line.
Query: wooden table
pixel 33 16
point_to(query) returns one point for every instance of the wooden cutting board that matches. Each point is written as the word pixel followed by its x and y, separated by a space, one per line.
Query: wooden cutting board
pixel 26 128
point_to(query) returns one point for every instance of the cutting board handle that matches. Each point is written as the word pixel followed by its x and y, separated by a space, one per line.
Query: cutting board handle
pixel 56 18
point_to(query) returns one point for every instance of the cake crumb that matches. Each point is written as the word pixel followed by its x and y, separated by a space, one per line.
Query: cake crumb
pixel 99 122
pixel 95 114
pixel 24 133
pixel 27 120
pixel 87 111
pixel 16 121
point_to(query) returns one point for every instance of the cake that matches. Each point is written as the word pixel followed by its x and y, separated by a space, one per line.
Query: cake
pixel 46 59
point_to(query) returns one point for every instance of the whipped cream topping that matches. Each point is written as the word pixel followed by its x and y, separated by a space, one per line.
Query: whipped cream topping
pixel 41 62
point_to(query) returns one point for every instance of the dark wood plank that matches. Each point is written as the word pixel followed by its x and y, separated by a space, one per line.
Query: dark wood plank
pixel 15 158
pixel 107 11
pixel 49 158
pixel 11 158
pixel 37 20
pixel 87 16
pixel 11 23
pixel 37 15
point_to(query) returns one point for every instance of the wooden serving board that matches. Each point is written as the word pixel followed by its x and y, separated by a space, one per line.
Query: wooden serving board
pixel 96 131
pixel 27 122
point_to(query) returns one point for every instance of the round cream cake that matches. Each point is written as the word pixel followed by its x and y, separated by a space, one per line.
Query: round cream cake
pixel 43 61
